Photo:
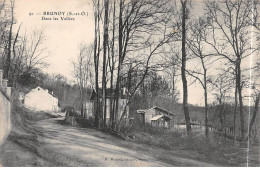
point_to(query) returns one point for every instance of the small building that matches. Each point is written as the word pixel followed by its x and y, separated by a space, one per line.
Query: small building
pixel 40 99
pixel 156 116
pixel 110 96
pixel 88 108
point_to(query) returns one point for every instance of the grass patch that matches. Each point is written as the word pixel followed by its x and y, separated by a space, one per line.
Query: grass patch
pixel 196 146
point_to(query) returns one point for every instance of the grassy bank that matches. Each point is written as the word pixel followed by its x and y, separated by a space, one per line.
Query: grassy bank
pixel 171 144
pixel 22 146
pixel 215 149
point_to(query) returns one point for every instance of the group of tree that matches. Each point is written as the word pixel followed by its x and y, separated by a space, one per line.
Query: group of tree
pixel 139 38
pixel 21 52
pixel 146 47
pixel 128 35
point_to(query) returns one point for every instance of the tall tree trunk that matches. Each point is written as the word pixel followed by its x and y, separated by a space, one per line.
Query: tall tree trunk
pixel 183 68
pixel 112 100
pixel 206 109
pixel 224 116
pixel 96 62
pixel 235 112
pixel 105 43
pixel 120 50
pixel 239 89
pixel 221 117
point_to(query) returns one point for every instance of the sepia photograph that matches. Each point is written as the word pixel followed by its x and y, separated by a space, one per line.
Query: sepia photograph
pixel 129 83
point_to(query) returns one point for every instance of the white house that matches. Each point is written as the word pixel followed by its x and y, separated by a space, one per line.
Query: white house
pixel 40 99
pixel 110 95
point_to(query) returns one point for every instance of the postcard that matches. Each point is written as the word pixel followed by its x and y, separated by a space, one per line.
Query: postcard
pixel 129 83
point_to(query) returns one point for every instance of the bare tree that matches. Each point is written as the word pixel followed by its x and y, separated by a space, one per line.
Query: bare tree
pixel 4 25
pixel 9 46
pixel 97 49
pixel 138 23
pixel 221 88
pixel 111 63
pixel 105 45
pixel 230 38
pixel 197 46
pixel 184 14
pixel 82 72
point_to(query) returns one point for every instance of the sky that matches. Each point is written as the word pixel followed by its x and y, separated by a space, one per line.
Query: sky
pixel 62 38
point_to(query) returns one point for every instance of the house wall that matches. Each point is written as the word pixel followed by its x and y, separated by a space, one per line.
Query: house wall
pixel 122 103
pixel 5 109
pixel 149 114
pixel 5 117
pixel 108 108
pixel 40 100
pixel 89 109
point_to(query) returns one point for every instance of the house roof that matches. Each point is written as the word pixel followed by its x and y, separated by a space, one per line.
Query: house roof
pixel 157 117
pixel 163 110
pixel 160 116
pixel 4 93
pixel 157 108
pixel 53 95
pixel 141 111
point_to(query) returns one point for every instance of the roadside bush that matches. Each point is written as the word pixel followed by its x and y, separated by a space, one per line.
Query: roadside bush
pixel 64 109
pixel 70 110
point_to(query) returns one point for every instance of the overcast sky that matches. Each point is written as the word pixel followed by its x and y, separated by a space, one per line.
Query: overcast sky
pixel 62 37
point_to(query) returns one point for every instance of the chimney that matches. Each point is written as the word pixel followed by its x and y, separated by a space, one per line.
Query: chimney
pixel 1 77
pixel 8 91
pixel 47 90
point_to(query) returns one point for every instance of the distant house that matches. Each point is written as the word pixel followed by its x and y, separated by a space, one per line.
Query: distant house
pixel 156 116
pixel 110 96
pixel 40 99
pixel 88 108
pixel 88 105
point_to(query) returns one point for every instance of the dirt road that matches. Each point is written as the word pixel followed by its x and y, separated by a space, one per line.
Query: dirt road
pixel 85 148
pixel 61 145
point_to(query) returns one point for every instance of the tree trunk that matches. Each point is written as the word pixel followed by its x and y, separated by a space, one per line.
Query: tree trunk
pixel 183 69
pixel 105 43
pixel 112 100
pixel 96 62
pixel 254 115
pixel 120 50
pixel 221 117
pixel 206 110
pixel 242 126
pixel 235 112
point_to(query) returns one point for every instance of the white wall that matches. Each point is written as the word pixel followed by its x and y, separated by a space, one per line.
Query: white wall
pixel 122 103
pixel 5 117
pixel 149 114
pixel 40 100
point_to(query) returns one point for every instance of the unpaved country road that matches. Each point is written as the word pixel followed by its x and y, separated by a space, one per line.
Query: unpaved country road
pixel 85 148
pixel 63 145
